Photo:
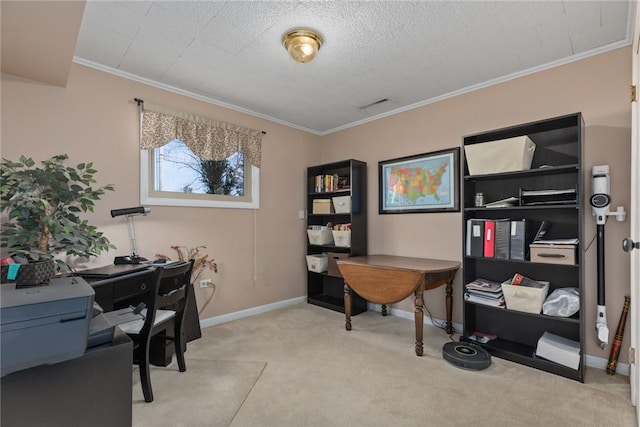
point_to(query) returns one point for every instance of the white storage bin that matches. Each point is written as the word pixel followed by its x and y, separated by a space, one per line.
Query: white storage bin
pixel 559 349
pixel 524 298
pixel 317 263
pixel 342 204
pixel 320 237
pixel 505 155
pixel 342 238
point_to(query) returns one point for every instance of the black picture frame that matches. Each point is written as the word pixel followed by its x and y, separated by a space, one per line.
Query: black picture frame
pixel 406 184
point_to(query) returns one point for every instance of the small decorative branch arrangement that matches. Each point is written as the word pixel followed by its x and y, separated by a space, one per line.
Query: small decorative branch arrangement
pixel 201 262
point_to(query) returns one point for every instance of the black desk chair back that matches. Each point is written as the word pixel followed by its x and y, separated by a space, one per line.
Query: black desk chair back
pixel 165 306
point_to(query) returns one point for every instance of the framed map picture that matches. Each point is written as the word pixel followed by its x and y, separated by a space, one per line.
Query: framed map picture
pixel 422 183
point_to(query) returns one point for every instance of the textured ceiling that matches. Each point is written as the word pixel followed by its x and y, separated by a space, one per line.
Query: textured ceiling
pixel 411 53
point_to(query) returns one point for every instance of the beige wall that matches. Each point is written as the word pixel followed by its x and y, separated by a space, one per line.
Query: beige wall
pixel 95 119
pixel 598 87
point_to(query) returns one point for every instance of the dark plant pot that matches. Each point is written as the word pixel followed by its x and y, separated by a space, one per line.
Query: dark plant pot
pixel 32 274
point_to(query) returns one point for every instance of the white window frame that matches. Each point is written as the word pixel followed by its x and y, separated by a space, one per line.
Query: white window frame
pixel 146 183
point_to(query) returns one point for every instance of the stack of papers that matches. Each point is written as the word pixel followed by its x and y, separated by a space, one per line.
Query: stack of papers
pixel 483 291
pixel 503 203
pixel 571 241
pixel 548 197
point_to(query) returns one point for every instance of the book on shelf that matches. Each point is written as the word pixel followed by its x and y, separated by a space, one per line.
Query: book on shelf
pixel 486 294
pixel 484 285
pixel 483 291
pixel 493 302
pixel 520 280
pixel 481 337
pixel 329 183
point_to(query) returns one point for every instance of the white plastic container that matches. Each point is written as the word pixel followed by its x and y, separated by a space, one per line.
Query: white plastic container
pixel 317 263
pixel 342 238
pixel 505 155
pixel 342 204
pixel 320 237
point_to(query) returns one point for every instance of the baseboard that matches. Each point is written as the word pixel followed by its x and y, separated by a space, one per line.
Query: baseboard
pixel 212 321
pixel 591 361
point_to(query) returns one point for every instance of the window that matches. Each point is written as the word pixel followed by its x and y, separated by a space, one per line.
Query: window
pixel 188 160
pixel 172 175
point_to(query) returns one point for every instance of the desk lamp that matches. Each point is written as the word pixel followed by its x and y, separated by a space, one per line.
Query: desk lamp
pixel 134 258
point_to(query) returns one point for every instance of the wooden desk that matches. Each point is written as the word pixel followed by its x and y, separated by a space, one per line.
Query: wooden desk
pixel 124 290
pixel 387 279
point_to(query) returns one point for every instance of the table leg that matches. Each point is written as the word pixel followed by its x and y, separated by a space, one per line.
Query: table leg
pixel 384 309
pixel 347 306
pixel 419 317
pixel 449 303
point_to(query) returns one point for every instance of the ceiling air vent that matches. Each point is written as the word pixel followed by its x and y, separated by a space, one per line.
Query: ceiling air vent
pixel 380 101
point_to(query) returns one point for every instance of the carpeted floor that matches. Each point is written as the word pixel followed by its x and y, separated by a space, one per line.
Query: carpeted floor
pixel 299 367
pixel 209 393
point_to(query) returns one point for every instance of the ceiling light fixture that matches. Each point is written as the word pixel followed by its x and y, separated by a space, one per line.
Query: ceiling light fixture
pixel 302 44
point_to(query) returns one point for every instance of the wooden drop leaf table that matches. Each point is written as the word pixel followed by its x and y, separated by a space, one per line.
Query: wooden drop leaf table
pixel 387 279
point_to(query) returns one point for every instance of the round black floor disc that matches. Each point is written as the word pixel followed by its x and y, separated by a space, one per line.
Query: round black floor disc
pixel 466 355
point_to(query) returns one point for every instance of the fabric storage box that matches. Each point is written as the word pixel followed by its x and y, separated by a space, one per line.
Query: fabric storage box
pixel 524 298
pixel 317 263
pixel 322 206
pixel 342 238
pixel 320 237
pixel 505 155
pixel 342 204
pixel 332 257
pixel 553 254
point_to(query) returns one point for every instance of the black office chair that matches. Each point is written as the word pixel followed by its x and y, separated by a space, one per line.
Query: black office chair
pixel 165 305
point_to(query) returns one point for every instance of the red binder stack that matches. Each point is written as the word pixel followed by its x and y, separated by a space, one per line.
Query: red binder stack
pixel 489 238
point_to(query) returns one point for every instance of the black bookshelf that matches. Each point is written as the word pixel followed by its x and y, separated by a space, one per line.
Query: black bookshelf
pixel 323 289
pixel 556 164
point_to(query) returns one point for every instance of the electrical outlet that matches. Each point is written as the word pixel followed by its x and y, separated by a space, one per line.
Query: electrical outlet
pixel 206 283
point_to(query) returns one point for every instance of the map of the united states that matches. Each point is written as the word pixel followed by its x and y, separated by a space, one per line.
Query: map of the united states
pixel 411 185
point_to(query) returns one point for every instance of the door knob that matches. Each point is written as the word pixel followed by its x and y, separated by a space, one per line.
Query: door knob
pixel 628 244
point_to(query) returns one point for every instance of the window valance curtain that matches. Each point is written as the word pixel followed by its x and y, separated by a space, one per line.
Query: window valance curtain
pixel 208 139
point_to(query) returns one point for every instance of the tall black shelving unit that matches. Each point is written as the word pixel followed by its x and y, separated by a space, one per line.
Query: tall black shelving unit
pixel 323 289
pixel 556 164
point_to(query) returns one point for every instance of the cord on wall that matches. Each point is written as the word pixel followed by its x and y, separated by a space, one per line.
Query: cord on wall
pixel 255 246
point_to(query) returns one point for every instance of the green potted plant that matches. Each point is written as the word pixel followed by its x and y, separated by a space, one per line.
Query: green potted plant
pixel 41 207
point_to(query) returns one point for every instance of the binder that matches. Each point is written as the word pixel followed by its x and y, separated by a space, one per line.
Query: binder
pixel 467 243
pixel 502 238
pixel 489 238
pixel 477 237
pixel 517 243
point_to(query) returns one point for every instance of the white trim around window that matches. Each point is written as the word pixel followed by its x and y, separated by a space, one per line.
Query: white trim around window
pixel 146 198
